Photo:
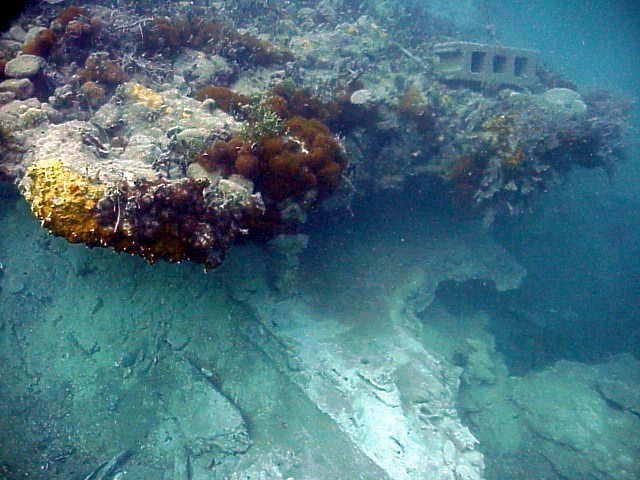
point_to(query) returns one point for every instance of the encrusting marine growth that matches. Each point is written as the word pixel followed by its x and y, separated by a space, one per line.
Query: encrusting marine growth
pixel 65 202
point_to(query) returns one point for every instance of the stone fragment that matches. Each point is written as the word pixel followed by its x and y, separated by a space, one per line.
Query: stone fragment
pixel 21 87
pixel 10 48
pixel 24 66
pixel 564 411
pixel 482 63
pixel 207 419
pixel 626 396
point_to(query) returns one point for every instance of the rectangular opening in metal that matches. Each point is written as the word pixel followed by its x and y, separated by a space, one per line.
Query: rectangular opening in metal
pixel 499 64
pixel 450 60
pixel 477 61
pixel 520 66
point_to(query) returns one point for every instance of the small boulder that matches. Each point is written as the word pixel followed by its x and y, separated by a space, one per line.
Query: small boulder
pixel 200 70
pixel 32 35
pixel 21 87
pixel 24 66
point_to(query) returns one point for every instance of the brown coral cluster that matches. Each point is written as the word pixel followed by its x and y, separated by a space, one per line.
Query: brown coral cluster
pixel 164 35
pixel 226 99
pixel 73 26
pixel 303 166
pixel 413 106
pixel 287 166
pixel 42 44
pixel 99 68
pixel 339 112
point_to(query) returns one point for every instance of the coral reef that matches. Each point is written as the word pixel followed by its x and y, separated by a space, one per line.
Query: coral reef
pixel 354 112
pixel 175 130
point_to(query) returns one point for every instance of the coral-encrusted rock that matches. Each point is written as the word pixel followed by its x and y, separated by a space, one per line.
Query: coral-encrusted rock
pixel 24 66
pixel 87 191
pixel 179 220
pixel 63 200
pixel 21 122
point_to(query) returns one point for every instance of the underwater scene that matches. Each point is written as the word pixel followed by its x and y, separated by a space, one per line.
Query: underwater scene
pixel 320 239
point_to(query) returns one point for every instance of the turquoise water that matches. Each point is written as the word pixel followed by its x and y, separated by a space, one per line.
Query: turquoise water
pixel 263 369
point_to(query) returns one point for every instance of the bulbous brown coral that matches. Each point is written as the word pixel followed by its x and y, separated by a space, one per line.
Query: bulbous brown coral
pixel 226 99
pixel 214 36
pixel 41 44
pixel 93 93
pixel 71 13
pixel 247 164
pixel 221 157
pixel 99 68
pixel 303 166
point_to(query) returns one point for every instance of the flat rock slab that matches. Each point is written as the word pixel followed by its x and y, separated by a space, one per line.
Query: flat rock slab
pixel 619 382
pixel 566 415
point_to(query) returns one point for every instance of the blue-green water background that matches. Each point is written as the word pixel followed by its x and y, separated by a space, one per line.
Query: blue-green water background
pixel 582 250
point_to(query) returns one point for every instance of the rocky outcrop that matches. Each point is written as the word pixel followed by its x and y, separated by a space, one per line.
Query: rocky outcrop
pixel 569 420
